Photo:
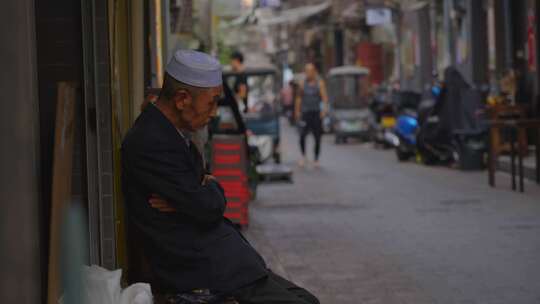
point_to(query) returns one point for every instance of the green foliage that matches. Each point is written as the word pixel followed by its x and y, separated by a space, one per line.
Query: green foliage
pixel 224 53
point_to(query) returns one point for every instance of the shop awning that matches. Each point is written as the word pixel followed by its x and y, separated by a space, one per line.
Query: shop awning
pixel 246 18
pixel 295 15
pixel 354 12
pixel 417 5
pixel 357 10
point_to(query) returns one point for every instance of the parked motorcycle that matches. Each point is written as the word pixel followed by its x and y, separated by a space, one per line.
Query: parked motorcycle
pixel 385 119
pixel 452 116
pixel 435 142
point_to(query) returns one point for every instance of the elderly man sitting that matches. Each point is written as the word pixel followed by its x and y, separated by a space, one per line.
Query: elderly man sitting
pixel 178 209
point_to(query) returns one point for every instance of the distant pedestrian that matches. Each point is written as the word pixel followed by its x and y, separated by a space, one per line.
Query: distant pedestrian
pixel 240 86
pixel 311 107
pixel 287 100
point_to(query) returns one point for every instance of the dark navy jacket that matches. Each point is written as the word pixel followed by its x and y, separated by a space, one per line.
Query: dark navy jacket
pixel 196 247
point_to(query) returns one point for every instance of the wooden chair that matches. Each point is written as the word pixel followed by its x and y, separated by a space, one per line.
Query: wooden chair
pixel 498 143
pixel 516 127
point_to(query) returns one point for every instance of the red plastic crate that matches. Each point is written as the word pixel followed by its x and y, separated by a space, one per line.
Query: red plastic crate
pixel 229 165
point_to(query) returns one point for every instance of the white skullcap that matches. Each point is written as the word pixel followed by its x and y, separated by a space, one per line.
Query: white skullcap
pixel 195 68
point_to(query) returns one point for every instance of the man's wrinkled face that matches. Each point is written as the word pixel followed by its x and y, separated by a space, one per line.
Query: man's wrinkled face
pixel 196 110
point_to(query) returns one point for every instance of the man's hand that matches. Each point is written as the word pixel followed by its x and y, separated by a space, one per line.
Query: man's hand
pixel 207 178
pixel 160 204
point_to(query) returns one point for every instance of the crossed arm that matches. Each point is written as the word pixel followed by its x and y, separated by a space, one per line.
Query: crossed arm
pixel 175 187
pixel 159 203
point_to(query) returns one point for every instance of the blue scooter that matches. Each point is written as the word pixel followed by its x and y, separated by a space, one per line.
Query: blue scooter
pixel 403 137
pixel 407 127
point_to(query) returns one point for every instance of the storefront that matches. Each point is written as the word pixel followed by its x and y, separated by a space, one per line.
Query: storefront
pixel 513 46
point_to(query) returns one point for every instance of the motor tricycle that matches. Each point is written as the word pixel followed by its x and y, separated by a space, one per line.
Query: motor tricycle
pixel 348 90
pixel 261 117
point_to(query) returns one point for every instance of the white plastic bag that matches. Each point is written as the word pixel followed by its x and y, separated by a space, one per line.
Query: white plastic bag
pixel 139 293
pixel 101 286
pixel 264 143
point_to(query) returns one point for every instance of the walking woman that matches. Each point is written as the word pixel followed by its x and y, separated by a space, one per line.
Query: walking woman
pixel 309 112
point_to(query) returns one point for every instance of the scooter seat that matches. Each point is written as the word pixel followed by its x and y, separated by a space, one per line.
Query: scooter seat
pixel 410 113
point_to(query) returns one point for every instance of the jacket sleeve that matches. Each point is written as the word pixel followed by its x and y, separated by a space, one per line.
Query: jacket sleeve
pixel 168 174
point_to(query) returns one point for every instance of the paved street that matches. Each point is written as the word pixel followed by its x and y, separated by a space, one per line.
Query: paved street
pixel 367 229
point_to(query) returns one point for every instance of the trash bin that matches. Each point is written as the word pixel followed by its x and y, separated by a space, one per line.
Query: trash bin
pixel 471 148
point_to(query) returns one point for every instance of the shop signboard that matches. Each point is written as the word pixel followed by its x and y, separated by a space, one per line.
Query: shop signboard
pixel 378 16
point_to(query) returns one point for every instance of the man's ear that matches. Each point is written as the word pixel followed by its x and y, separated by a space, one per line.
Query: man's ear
pixel 182 99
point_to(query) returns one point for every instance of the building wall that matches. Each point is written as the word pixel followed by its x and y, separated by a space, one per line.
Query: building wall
pixel 416 55
pixel 473 41
pixel 521 11
pixel 536 98
pixel 20 280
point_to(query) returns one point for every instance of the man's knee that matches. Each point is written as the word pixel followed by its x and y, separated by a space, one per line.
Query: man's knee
pixel 310 298
pixel 306 296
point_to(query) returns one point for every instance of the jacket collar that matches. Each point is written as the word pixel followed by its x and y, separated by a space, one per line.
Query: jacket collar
pixel 172 131
pixel 155 113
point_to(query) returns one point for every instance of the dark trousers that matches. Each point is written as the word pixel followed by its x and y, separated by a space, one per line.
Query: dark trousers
pixel 311 122
pixel 274 290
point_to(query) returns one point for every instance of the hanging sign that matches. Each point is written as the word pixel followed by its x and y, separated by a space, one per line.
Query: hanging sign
pixel 531 42
pixel 270 3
